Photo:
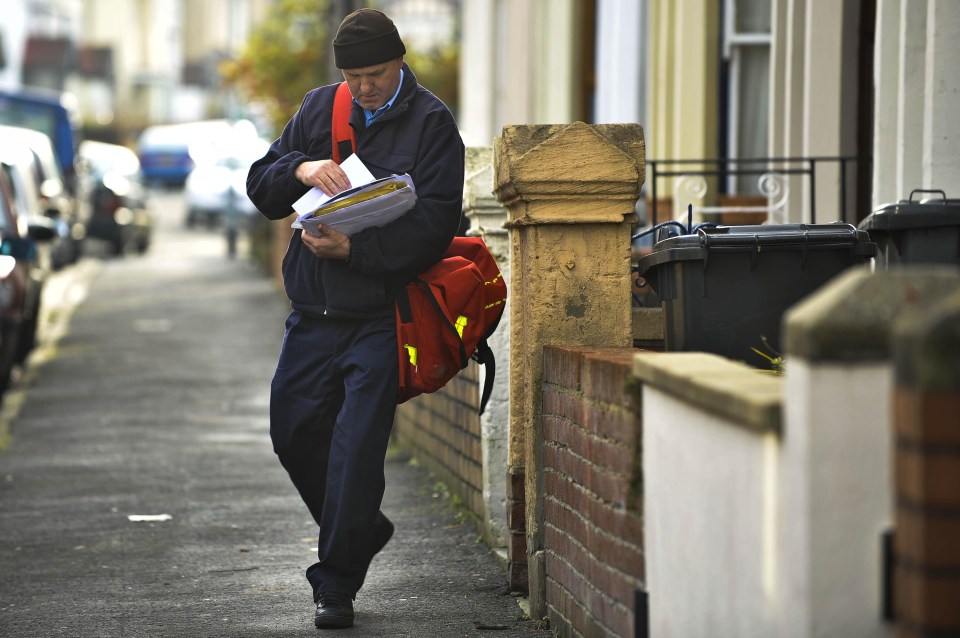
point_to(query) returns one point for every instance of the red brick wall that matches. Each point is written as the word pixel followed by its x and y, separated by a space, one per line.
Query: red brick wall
pixel 442 430
pixel 517 568
pixel 926 471
pixel 927 535
pixel 593 508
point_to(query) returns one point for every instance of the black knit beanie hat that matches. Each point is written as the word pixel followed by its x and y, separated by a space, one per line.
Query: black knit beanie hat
pixel 366 37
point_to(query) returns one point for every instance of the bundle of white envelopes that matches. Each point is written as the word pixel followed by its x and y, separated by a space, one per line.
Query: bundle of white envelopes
pixel 370 202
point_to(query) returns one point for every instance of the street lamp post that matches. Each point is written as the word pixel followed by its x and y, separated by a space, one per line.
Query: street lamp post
pixel 338 11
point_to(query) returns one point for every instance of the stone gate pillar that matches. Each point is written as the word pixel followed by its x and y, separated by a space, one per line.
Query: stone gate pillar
pixel 487 218
pixel 570 192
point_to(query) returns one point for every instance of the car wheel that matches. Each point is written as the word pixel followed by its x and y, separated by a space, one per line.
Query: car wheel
pixel 9 345
pixel 27 338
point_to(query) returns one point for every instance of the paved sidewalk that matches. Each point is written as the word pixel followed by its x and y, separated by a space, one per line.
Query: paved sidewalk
pixel 139 494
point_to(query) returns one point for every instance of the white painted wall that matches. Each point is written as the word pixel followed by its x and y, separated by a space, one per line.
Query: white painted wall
pixel 519 65
pixel 835 490
pixel 829 124
pixel 787 85
pixel 621 62
pixel 477 67
pixel 517 35
pixel 556 76
pixel 487 217
pixel 754 534
pixel 709 523
pixel 941 116
pixel 814 99
pixel 886 81
pixel 908 153
pixel 917 101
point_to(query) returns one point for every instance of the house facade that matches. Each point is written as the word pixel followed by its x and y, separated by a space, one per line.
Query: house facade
pixel 854 93
pixel 160 67
pixel 799 505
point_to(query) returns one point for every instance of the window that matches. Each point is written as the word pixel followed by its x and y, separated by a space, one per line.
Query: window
pixel 746 54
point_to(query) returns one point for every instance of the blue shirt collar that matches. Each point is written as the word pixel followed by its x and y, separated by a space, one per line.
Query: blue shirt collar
pixel 373 116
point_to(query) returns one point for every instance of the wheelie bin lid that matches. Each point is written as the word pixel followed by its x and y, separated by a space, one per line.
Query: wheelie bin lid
pixel 756 238
pixel 915 213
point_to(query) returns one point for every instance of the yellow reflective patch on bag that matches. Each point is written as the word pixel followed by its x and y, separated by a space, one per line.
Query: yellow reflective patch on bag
pixel 411 353
pixel 461 324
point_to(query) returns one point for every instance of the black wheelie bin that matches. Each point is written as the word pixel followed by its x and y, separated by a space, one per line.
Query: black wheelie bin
pixel 921 231
pixel 725 289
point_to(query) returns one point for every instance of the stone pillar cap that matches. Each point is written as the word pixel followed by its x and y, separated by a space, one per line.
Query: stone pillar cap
pixel 550 170
pixel 852 317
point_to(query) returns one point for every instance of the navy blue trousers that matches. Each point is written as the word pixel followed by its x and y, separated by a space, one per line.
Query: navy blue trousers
pixel 332 405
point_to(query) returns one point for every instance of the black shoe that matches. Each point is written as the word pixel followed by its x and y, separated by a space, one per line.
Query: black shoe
pixel 334 611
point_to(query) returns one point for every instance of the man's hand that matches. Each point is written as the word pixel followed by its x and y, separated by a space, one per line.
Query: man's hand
pixel 324 174
pixel 332 245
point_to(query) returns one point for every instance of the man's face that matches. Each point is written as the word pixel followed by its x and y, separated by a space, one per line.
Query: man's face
pixel 373 85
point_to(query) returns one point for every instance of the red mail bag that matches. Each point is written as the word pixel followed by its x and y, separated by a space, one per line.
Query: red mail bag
pixel 445 316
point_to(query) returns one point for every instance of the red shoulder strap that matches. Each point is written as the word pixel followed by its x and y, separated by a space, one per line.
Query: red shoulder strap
pixel 341 131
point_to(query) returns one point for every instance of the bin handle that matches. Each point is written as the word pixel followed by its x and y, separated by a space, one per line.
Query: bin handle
pixel 924 190
pixel 835 233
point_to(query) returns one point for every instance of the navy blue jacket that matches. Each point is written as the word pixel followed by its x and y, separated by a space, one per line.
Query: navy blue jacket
pixel 417 135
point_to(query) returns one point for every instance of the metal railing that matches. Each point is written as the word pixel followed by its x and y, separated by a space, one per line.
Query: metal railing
pixel 772 183
pixel 773 188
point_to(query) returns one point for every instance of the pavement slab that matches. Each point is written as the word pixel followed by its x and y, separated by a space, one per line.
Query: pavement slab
pixel 139 493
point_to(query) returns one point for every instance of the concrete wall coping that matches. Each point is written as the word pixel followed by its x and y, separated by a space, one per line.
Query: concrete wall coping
pixel 728 389
pixel 927 348
pixel 852 317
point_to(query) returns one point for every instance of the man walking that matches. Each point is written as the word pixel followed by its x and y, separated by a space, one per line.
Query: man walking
pixel 334 393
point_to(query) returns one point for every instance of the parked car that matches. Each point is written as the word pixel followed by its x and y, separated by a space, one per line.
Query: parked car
pixel 51 112
pixel 21 276
pixel 218 187
pixel 164 153
pixel 55 200
pixel 18 164
pixel 168 152
pixel 112 181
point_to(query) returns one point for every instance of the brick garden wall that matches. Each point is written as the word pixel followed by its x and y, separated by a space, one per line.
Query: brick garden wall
pixel 442 430
pixel 927 536
pixel 926 463
pixel 593 509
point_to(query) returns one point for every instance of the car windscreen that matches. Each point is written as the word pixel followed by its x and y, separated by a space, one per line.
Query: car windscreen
pixel 31 116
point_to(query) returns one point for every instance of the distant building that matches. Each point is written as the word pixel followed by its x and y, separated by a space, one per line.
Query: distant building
pixel 38 42
pixel 159 66
pixel 424 24
pixel 866 84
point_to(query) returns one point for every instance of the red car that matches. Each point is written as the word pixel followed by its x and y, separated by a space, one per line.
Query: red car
pixel 18 318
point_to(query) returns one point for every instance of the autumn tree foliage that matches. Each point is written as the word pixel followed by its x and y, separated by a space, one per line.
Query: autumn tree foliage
pixel 289 53
pixel 285 56
pixel 438 69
